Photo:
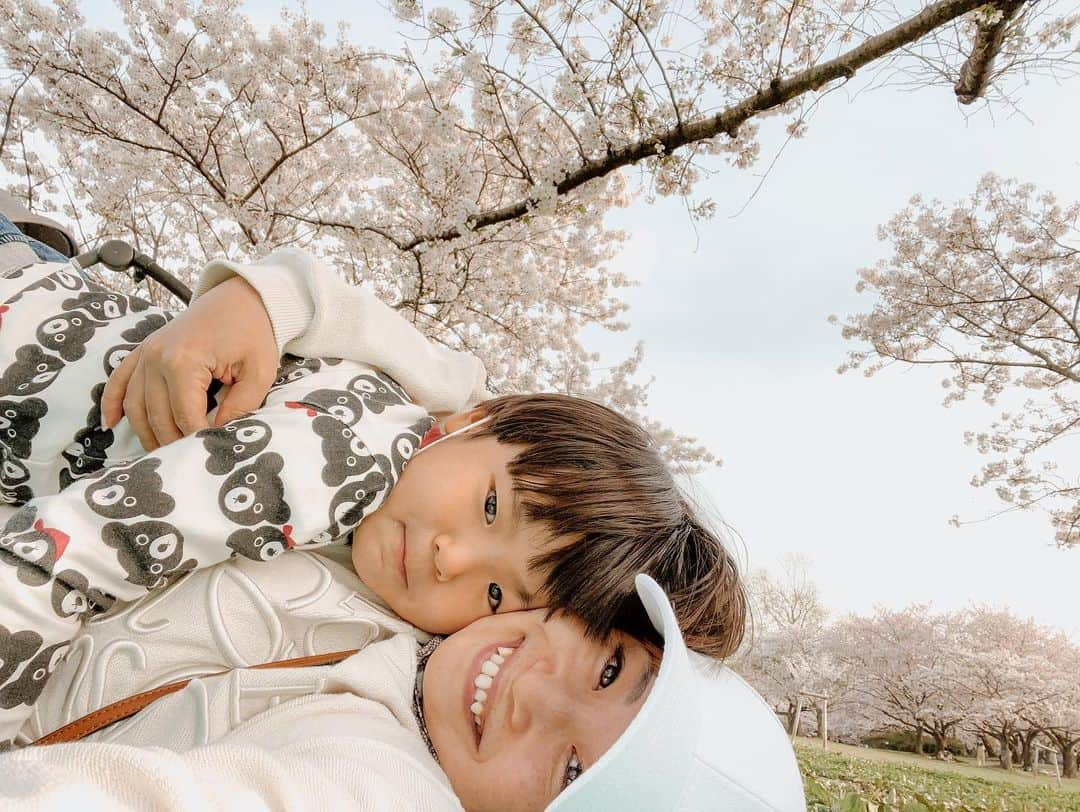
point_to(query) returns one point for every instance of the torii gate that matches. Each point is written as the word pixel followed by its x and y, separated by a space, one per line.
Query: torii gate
pixel 822 714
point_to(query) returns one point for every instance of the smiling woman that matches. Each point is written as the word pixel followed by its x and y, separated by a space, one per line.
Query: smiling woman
pixel 548 712
pixel 527 712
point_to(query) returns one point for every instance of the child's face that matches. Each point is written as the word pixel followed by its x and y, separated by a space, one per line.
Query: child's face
pixel 557 702
pixel 449 545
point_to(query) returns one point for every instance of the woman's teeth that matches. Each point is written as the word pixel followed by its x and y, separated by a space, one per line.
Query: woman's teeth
pixel 488 670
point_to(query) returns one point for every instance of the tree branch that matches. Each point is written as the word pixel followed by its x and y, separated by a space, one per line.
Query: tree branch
pixel 975 73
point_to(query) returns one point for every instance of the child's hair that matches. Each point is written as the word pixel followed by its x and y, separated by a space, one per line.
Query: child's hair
pixel 588 473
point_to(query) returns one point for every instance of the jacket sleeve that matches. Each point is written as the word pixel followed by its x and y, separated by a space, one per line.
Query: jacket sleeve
pixel 315 314
pixel 301 471
pixel 313 773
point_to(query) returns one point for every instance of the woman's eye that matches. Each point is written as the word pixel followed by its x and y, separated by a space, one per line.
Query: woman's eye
pixel 494 597
pixel 612 668
pixel 491 507
pixel 573 769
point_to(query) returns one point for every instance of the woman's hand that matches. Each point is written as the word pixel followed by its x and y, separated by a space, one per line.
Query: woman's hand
pixel 161 386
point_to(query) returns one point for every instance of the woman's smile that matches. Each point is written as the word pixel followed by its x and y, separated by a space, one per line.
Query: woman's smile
pixel 483 682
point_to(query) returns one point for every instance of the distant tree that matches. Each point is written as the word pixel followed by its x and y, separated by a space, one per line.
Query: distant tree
pixel 1005 670
pixel 789 651
pixel 469 190
pixel 990 289
pixel 1057 715
pixel 901 664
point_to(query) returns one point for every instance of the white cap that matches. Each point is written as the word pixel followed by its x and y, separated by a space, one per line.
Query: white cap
pixel 704 739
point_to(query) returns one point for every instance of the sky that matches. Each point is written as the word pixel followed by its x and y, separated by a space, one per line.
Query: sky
pixel 859 475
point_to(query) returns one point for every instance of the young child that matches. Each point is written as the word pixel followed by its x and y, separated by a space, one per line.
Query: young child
pixel 547 501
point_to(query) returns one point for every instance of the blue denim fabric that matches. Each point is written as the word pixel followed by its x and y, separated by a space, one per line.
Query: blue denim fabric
pixel 10 233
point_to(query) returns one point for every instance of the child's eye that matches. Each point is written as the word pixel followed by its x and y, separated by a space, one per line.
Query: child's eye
pixel 573 769
pixel 494 597
pixel 612 668
pixel 491 507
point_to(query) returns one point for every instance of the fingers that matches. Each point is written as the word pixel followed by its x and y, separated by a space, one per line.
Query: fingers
pixel 159 411
pixel 135 409
pixel 187 398
pixel 112 399
pixel 244 396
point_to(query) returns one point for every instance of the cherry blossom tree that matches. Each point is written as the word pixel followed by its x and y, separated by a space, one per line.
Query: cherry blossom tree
pixel 989 289
pixel 468 187
pixel 902 666
pixel 1005 670
pixel 1057 714
pixel 790 651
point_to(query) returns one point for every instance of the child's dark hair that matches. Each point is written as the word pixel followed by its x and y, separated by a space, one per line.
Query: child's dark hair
pixel 588 473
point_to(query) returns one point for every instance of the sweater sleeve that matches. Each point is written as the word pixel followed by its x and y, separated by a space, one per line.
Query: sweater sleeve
pixel 303 470
pixel 314 313
pixel 315 772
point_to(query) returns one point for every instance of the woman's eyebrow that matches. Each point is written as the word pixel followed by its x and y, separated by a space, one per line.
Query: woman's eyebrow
pixel 643 683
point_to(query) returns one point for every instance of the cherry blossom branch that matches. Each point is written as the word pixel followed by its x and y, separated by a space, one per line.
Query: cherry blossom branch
pixel 989 35
pixel 776 94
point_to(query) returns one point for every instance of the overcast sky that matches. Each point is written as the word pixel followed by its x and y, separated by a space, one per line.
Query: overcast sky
pixel 861 475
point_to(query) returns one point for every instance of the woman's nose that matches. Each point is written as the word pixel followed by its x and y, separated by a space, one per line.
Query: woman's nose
pixel 541 698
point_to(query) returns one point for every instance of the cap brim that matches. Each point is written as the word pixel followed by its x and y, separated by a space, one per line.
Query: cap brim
pixel 704 739
pixel 655 752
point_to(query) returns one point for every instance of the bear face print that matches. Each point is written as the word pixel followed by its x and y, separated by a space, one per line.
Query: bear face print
pixel 130 491
pixel 102 306
pixel 18 495
pixel 88 451
pixel 149 552
pixel 378 391
pixel 71 595
pixel 255 493
pixel 232 444
pixel 262 543
pixel 79 465
pixel 114 356
pixel 403 448
pixel 144 327
pixel 28 687
pixel 345 455
pixel 12 472
pixel 16 648
pixel 34 552
pixel 67 334
pixel 343 406
pixel 19 424
pixel 293 368
pixel 20 520
pixel 352 500
pixel 31 372
pixel 57 280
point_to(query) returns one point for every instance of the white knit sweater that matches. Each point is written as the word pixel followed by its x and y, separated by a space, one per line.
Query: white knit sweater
pixel 328 737
pixel 317 315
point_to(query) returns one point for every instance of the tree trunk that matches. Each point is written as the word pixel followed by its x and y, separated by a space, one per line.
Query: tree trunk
pixel 1016 745
pixel 1005 752
pixel 988 743
pixel 939 740
pixel 919 740
pixel 1068 760
pixel 1028 752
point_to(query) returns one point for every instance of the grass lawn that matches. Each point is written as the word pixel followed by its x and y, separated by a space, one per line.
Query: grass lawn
pixel 856 779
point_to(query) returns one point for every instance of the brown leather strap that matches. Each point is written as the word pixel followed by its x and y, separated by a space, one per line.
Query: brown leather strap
pixel 122 709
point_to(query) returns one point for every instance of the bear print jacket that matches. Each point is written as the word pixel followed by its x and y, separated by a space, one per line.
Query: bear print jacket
pixel 103 521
